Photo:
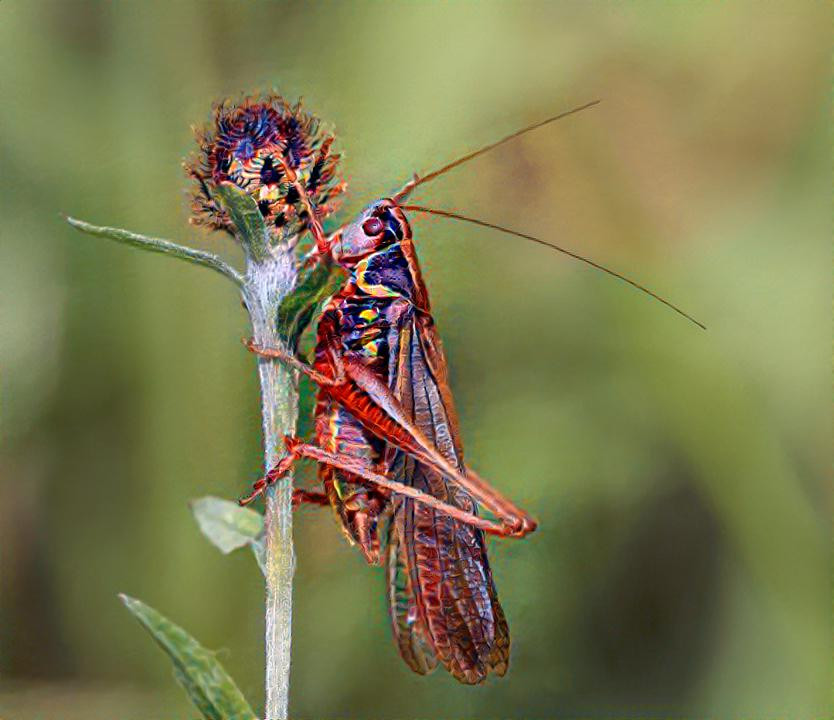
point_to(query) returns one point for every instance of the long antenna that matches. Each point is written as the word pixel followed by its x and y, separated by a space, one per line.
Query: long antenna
pixel 552 246
pixel 408 188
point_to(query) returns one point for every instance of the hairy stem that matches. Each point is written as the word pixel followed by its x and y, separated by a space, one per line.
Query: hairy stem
pixel 270 277
pixel 267 282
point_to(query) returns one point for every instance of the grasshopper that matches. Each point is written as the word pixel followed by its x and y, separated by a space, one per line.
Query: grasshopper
pixel 387 442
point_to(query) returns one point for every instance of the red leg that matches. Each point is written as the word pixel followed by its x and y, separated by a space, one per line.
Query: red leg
pixel 293 362
pixel 386 418
pixel 311 497
pixel 296 449
pixel 313 224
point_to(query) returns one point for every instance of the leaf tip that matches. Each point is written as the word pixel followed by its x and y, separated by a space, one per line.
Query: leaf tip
pixel 130 603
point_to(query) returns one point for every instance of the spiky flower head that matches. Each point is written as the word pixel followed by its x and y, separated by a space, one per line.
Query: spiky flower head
pixel 255 144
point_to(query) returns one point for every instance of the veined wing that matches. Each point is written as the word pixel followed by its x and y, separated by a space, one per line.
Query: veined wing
pixel 452 605
pixel 410 633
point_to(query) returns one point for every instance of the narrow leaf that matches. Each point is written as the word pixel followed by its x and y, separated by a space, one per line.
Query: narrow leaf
pixel 249 224
pixel 297 308
pixel 227 525
pixel 158 245
pixel 208 685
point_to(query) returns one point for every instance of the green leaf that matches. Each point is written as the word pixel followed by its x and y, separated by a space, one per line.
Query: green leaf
pixel 247 219
pixel 158 245
pixel 227 525
pixel 297 308
pixel 208 685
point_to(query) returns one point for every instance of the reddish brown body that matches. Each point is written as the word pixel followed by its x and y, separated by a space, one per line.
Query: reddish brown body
pixel 392 462
pixel 388 443
pixel 387 438
pixel 442 598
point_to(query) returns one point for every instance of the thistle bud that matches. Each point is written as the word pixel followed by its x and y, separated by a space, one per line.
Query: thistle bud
pixel 267 148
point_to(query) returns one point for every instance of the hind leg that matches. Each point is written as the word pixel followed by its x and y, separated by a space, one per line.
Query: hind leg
pixel 297 449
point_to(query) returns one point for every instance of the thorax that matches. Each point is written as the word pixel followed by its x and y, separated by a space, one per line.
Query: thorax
pixel 378 291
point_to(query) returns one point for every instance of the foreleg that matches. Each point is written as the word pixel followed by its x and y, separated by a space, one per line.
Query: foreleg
pixel 291 360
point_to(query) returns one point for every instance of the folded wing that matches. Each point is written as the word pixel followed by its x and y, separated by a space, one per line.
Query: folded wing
pixel 443 599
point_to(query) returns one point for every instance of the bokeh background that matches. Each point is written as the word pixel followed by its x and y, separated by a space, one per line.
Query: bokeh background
pixel 681 477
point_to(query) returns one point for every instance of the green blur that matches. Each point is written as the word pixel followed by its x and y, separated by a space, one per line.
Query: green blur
pixel 681 478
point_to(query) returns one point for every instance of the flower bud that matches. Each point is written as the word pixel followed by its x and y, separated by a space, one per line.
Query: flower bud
pixel 268 149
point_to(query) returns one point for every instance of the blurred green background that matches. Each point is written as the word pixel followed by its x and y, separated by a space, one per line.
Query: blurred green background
pixel 681 478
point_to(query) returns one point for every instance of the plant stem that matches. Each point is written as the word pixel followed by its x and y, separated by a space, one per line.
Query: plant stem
pixel 270 277
pixel 267 282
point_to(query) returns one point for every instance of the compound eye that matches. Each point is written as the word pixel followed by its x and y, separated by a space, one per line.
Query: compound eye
pixel 373 226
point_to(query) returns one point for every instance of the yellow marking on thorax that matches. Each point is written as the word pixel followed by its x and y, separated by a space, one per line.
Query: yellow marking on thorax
pixel 334 447
pixel 269 192
pixel 372 347
pixel 370 289
pixel 334 432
